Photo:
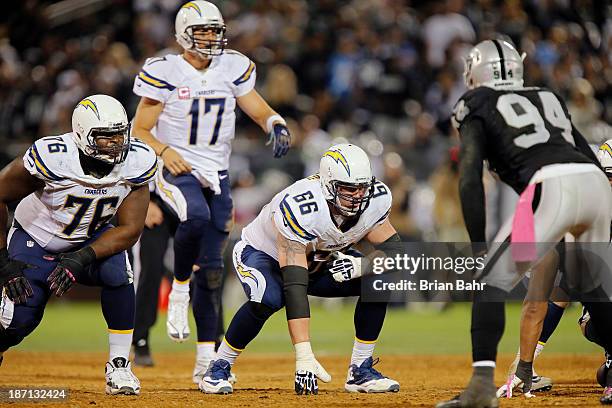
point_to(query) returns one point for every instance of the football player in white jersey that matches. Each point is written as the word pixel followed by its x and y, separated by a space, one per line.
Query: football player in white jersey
pixel 299 245
pixel 69 187
pixel 187 115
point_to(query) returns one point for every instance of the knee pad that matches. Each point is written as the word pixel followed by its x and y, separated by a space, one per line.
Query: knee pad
pixel 261 311
pixel 210 279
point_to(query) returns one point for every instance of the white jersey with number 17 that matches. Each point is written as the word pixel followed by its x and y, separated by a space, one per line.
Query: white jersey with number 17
pixel 198 116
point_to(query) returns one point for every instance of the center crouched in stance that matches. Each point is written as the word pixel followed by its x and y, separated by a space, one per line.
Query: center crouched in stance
pixel 300 245
pixel 69 187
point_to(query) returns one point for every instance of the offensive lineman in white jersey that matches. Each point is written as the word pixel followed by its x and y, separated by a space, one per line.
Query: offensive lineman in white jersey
pixel 70 186
pixel 299 245
pixel 187 115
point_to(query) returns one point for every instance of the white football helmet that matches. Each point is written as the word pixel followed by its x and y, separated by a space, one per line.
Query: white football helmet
pixel 346 178
pixel 604 155
pixel 495 64
pixel 101 116
pixel 205 15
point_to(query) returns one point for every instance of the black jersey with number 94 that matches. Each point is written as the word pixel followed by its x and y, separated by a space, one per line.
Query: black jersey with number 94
pixel 525 129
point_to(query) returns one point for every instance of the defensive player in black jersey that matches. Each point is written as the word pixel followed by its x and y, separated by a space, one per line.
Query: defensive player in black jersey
pixel 527 138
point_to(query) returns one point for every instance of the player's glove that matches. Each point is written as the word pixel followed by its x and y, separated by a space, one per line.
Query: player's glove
pixel 70 266
pixel 280 139
pixel 13 280
pixel 345 267
pixel 308 370
pixel 524 371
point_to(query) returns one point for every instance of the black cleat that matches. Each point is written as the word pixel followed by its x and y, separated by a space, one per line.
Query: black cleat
pixel 142 355
pixel 480 393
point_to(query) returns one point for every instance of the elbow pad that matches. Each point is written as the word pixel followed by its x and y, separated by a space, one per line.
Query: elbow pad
pixel 295 288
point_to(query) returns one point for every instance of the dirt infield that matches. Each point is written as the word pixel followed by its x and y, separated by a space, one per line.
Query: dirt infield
pixel 267 381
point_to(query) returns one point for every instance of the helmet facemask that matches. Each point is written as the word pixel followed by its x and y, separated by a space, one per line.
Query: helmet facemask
pixel 102 144
pixel 199 38
pixel 351 199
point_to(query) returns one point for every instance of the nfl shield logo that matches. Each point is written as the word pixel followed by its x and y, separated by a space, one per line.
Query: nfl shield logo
pixel 184 93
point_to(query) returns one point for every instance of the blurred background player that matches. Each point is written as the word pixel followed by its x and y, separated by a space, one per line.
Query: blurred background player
pixel 148 262
pixel 187 115
pixel 527 138
pixel 70 186
pixel 296 247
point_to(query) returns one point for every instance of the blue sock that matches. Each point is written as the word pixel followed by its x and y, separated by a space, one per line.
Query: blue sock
pixel 206 303
pixel 119 306
pixel 246 324
pixel 553 316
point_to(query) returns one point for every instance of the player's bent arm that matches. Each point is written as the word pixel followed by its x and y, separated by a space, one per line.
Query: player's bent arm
pixel 15 183
pixel 583 146
pixel 258 110
pixel 382 233
pixel 294 271
pixel 130 223
pixel 471 189
pixel 147 114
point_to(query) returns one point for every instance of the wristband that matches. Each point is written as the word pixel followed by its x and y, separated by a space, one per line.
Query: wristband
pixel 272 119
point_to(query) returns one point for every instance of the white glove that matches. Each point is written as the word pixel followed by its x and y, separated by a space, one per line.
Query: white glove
pixel 345 267
pixel 307 370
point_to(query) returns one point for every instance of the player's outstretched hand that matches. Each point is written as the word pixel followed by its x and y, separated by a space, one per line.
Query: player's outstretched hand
pixel 174 162
pixel 524 371
pixel 344 267
pixel 70 265
pixel 12 279
pixel 280 139
pixel 306 383
pixel 307 372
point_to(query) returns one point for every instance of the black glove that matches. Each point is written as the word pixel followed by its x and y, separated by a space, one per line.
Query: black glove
pixel 524 371
pixel 70 266
pixel 306 383
pixel 280 139
pixel 12 279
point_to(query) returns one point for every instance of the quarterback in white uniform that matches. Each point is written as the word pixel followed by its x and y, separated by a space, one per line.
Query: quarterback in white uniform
pixel 69 187
pixel 299 245
pixel 187 114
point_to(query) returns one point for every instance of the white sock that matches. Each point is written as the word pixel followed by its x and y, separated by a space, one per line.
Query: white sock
pixel 362 351
pixel 205 350
pixel 181 287
pixel 119 342
pixel 538 350
pixel 227 352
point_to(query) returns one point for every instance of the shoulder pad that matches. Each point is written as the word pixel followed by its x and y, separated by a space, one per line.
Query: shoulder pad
pixel 472 104
pixel 156 72
pixel 299 209
pixel 380 203
pixel 239 67
pixel 50 158
pixel 141 163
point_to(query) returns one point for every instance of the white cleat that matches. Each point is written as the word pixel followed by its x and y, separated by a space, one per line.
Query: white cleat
pixel 120 379
pixel 177 320
pixel 216 379
pixel 366 379
pixel 200 369
pixel 538 384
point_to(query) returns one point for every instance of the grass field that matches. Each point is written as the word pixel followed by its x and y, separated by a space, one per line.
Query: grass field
pixel 428 353
pixel 80 327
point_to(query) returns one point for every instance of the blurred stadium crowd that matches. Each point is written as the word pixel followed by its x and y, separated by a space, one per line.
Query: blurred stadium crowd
pixel 384 74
